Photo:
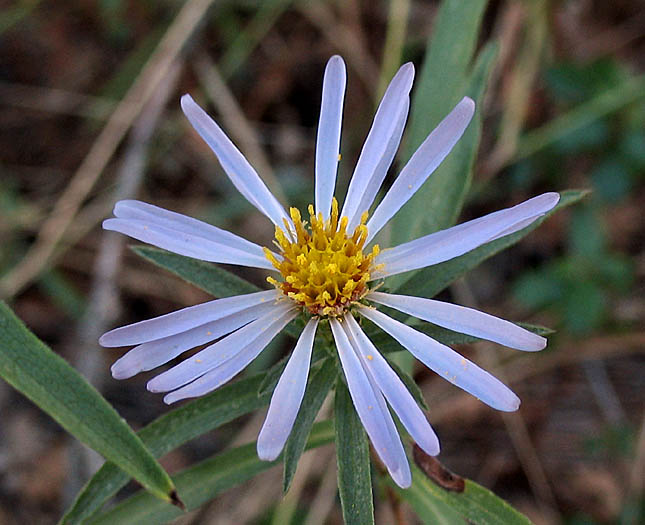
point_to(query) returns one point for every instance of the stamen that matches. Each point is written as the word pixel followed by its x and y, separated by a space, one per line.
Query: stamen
pixel 324 269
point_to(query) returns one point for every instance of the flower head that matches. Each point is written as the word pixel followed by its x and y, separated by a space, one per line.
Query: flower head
pixel 327 268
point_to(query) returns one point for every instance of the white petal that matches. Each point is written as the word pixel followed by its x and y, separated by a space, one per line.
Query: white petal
pixel 425 160
pixel 447 363
pixel 226 370
pixel 225 349
pixel 328 139
pixel 238 169
pixel 186 244
pixel 287 397
pixel 463 320
pixel 184 319
pixel 371 410
pixel 393 389
pixel 131 209
pixel 453 242
pixel 380 146
pixel 156 353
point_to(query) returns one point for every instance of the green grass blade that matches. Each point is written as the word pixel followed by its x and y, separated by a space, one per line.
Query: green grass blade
pixel 431 280
pixel 444 80
pixel 476 503
pixel 45 378
pixel 352 452
pixel 167 433
pixel 320 382
pixel 203 482
pixel 448 56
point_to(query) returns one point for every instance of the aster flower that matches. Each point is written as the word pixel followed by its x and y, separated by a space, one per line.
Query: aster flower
pixel 327 268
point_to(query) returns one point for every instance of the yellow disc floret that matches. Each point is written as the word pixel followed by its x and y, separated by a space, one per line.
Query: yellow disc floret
pixel 323 268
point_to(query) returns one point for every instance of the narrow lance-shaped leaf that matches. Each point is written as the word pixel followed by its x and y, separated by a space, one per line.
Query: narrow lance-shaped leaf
pixel 352 452
pixel 203 482
pixel 207 276
pixel 442 82
pixel 45 378
pixel 167 433
pixel 475 503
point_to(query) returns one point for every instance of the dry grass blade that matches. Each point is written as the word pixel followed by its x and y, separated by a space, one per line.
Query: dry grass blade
pixel 68 204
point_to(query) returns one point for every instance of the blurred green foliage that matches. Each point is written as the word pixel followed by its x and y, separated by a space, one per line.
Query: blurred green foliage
pixel 579 285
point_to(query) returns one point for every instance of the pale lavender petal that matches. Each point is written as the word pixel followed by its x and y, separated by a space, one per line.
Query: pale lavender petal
pixel 463 320
pixel 226 370
pixel 371 409
pixel 184 319
pixel 238 169
pixel 393 389
pixel 516 227
pixel 447 363
pixel 223 350
pixel 156 353
pixel 453 242
pixel 287 397
pixel 186 244
pixel 380 146
pixel 328 139
pixel 131 209
pixel 421 165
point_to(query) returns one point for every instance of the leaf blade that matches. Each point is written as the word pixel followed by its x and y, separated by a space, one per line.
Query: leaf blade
pixel 207 276
pixel 204 481
pixel 54 386
pixel 352 452
pixel 443 81
pixel 168 432
pixel 475 503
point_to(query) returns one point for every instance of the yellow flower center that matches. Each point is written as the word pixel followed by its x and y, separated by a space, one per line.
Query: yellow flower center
pixel 324 268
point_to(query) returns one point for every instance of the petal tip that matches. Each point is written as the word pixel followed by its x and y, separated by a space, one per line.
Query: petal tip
pixel 106 340
pixel 468 105
pixel 186 99
pixel 266 453
pixel 120 372
pixel 170 399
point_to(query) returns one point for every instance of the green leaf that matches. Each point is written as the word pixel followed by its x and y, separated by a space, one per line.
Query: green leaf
pixel 444 79
pixel 431 280
pixel 207 276
pixel 476 503
pixel 45 378
pixel 321 379
pixel 352 452
pixel 167 433
pixel 203 482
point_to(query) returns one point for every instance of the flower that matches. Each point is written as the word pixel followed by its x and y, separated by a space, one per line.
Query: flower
pixel 326 270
